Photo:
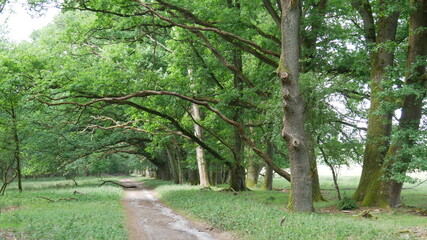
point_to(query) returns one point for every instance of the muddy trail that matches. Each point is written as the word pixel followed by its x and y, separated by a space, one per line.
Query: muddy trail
pixel 149 219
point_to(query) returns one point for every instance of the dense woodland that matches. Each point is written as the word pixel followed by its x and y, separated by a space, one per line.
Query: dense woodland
pixel 216 91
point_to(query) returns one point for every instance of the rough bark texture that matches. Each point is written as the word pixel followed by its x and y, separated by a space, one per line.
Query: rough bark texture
pixel 200 153
pixel 379 120
pixel 412 104
pixel 293 105
pixel 237 178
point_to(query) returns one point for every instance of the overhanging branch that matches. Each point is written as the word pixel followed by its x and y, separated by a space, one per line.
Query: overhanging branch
pixel 239 127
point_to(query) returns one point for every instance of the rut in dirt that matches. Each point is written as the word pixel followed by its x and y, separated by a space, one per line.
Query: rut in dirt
pixel 148 219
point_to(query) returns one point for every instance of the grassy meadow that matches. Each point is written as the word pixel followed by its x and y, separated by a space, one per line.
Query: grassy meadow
pixel 96 215
pixel 253 214
pixel 257 214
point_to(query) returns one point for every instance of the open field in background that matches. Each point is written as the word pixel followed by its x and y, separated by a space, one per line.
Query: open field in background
pixel 413 194
pixel 252 215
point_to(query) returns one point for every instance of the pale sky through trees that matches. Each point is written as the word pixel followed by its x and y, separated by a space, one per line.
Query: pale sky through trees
pixel 19 22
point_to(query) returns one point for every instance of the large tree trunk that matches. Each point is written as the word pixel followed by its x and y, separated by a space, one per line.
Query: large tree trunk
pixel 379 120
pixel 409 121
pixel 293 105
pixel 200 153
pixel 237 170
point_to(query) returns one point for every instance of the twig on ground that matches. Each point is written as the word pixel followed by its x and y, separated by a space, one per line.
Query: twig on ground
pixel 77 192
pixel 283 220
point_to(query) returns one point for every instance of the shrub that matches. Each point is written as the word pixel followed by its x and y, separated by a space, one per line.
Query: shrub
pixel 347 203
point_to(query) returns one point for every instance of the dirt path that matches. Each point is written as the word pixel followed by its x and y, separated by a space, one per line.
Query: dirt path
pixel 149 219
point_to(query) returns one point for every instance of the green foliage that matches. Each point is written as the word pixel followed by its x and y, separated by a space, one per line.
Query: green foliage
pixel 116 48
pixel 347 203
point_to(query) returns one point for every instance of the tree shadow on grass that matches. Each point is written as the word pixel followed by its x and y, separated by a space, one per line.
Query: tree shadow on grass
pixel 154 183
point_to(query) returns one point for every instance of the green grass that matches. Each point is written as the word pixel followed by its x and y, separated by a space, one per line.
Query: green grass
pixel 97 215
pixel 252 215
pixel 256 214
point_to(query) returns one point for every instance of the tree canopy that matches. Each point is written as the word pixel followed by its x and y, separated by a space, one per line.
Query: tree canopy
pixel 176 86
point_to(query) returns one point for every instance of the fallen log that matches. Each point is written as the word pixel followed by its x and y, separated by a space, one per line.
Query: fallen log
pixel 118 184
pixel 57 200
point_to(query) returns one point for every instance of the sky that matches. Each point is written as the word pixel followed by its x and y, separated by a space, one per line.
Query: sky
pixel 17 20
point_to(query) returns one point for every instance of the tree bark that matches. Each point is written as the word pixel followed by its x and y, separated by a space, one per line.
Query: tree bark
pixel 379 120
pixel 254 169
pixel 317 194
pixel 409 122
pixel 268 179
pixel 17 150
pixel 293 105
pixel 179 158
pixel 163 172
pixel 200 153
pixel 254 166
pixel 237 171
pixel 163 169
pixel 193 177
pixel 172 164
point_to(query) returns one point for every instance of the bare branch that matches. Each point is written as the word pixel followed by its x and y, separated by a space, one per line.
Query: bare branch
pixel 272 12
pixel 365 11
pixel 227 64
pixel 207 27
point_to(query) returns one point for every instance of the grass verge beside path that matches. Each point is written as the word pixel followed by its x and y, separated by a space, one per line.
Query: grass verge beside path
pixel 257 214
pixel 96 215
